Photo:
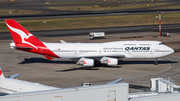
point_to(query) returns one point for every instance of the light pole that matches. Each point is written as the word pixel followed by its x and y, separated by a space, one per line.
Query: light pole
pixel 160 22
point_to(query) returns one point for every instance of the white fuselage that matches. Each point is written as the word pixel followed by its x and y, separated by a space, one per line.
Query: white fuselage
pixel 130 49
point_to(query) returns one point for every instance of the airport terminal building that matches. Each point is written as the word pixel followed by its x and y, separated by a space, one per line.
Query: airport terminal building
pixel 105 92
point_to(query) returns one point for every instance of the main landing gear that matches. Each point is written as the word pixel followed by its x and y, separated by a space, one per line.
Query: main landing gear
pixel 97 63
pixel 156 62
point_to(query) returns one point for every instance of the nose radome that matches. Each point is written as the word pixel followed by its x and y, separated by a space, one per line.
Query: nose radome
pixel 172 50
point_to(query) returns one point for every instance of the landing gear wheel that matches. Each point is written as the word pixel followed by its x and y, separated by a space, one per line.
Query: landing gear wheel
pixel 155 62
pixel 97 63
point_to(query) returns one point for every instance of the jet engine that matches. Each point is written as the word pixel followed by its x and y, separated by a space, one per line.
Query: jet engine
pixel 109 61
pixel 86 62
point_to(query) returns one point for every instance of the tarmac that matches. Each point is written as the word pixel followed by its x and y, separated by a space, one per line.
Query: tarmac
pixel 65 73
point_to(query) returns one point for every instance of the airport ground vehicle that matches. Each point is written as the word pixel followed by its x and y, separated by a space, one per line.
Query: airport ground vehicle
pixel 87 54
pixel 165 34
pixel 93 35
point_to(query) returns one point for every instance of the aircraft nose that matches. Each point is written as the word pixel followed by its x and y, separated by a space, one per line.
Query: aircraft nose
pixel 171 50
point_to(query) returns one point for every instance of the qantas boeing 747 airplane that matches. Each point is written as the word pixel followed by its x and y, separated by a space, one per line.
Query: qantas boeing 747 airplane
pixel 87 54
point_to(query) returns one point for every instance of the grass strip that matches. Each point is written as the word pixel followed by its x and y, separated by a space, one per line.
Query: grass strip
pixel 94 22
pixel 69 3
pixel 108 7
pixel 170 7
pixel 102 2
pixel 16 12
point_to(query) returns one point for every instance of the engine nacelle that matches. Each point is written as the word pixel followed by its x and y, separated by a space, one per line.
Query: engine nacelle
pixel 112 62
pixel 86 62
pixel 109 61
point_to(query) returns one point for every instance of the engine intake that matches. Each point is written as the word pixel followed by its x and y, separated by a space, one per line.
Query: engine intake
pixel 109 61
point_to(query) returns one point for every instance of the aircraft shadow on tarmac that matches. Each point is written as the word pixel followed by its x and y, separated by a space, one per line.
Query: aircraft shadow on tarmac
pixel 145 62
pixel 79 68
pixel 120 62
pixel 43 60
pixel 87 68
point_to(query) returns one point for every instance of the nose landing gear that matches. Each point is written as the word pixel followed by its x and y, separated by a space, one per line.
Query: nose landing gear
pixel 156 62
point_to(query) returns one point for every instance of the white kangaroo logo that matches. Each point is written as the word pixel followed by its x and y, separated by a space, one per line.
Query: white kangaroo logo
pixel 22 34
pixel 29 35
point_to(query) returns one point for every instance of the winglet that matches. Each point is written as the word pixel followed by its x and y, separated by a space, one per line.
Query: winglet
pixel 116 81
pixel 13 76
pixel 62 41
pixel 1 74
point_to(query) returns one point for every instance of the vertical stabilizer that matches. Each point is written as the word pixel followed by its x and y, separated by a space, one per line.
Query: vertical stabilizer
pixel 1 74
pixel 20 34
pixel 25 41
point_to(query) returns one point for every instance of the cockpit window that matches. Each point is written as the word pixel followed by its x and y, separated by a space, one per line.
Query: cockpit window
pixel 161 44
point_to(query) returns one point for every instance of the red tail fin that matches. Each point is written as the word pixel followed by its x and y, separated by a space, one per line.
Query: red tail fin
pixel 1 74
pixel 19 33
pixel 25 41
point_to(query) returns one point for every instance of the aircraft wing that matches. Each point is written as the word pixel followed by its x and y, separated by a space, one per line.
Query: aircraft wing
pixel 13 76
pixel 92 57
pixel 112 56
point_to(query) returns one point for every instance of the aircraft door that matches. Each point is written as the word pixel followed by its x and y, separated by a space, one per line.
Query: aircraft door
pixel 151 51
pixel 76 52
pixel 100 51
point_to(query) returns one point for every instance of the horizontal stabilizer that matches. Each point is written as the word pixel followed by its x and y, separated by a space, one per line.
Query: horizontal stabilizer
pixel 49 58
pixel 24 47
pixel 116 81
pixel 13 76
